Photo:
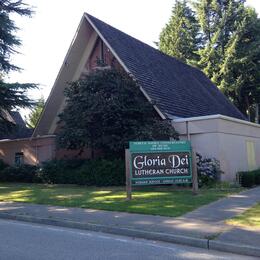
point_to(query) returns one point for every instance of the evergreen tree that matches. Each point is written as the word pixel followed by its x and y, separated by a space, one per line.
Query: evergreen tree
pixel 11 95
pixel 35 114
pixel 100 114
pixel 239 74
pixel 218 22
pixel 230 57
pixel 180 37
pixel 227 45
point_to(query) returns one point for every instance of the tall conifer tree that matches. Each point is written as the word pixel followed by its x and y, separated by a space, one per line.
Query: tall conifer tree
pixel 228 47
pixel 239 75
pixel 218 21
pixel 12 95
pixel 180 37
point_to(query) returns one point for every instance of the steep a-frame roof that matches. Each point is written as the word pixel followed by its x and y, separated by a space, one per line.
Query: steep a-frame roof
pixel 176 89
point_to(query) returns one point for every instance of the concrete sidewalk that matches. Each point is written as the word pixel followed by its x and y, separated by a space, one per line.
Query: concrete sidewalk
pixel 204 227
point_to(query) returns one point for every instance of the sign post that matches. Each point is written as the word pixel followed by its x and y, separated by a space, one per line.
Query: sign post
pixel 195 187
pixel 128 177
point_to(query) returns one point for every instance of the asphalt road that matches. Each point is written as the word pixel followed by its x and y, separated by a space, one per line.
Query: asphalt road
pixel 25 241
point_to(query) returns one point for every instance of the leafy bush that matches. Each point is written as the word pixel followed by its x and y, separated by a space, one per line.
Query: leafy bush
pixel 88 172
pixel 23 173
pixel 109 173
pixel 208 171
pixel 82 172
pixel 3 165
pixel 249 178
pixel 257 177
pixel 59 171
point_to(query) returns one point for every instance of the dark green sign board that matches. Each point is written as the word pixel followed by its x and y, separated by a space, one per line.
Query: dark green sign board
pixel 160 162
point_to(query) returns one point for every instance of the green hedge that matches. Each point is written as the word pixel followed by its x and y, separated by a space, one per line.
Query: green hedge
pixel 249 179
pixel 23 173
pixel 3 165
pixel 59 171
pixel 257 177
pixel 82 172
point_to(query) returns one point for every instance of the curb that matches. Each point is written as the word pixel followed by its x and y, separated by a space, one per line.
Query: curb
pixel 234 248
pixel 170 238
pixel 178 239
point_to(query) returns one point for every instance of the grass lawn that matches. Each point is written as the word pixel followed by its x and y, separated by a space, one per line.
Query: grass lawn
pixel 165 201
pixel 250 218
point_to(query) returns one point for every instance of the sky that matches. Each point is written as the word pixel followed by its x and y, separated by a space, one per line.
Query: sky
pixel 46 36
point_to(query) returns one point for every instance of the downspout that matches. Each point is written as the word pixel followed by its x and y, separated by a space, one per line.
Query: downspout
pixel 187 130
pixel 36 153
pixel 257 113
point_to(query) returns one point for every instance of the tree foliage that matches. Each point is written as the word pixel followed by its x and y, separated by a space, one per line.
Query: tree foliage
pixel 239 74
pixel 34 116
pixel 105 110
pixel 12 95
pixel 180 37
pixel 229 47
pixel 218 21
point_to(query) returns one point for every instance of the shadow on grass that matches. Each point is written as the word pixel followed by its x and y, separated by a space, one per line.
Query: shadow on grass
pixel 155 201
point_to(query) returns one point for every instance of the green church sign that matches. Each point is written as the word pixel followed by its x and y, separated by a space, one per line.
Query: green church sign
pixel 160 162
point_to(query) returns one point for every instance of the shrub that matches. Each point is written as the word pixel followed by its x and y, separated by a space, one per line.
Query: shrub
pixel 82 172
pixel 59 171
pixel 23 173
pixel 208 171
pixel 3 165
pixel 88 172
pixel 247 179
pixel 257 177
pixel 84 175
pixel 109 173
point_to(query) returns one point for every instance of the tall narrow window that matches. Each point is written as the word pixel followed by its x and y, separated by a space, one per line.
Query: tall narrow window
pixel 19 159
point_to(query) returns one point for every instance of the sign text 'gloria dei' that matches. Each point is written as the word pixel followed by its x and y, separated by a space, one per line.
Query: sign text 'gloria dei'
pixel 163 165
